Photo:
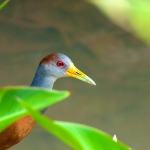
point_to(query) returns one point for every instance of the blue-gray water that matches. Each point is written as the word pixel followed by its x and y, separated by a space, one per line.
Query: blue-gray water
pixel 117 61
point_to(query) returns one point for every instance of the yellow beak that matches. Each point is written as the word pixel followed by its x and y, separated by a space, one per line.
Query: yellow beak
pixel 74 72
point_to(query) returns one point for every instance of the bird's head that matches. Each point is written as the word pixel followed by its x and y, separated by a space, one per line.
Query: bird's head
pixel 59 65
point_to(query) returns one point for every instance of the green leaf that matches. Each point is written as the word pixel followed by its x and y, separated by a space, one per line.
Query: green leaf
pixel 140 19
pixel 116 10
pixel 79 137
pixel 3 4
pixel 11 110
pixel 132 15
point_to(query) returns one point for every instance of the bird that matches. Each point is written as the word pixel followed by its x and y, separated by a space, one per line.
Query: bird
pixel 50 68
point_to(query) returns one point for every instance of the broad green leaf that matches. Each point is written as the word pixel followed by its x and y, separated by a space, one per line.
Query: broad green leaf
pixel 11 110
pixel 79 137
pixel 3 4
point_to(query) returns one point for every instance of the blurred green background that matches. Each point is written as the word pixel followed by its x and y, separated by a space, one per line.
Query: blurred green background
pixel 116 60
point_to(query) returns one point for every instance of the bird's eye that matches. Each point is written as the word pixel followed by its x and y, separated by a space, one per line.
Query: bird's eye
pixel 60 63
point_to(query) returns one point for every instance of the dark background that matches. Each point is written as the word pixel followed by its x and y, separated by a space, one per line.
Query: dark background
pixel 116 60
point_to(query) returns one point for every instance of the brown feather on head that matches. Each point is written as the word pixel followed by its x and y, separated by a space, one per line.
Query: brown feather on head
pixel 49 58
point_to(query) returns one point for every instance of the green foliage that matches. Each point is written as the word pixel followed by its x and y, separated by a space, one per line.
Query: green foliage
pixel 140 19
pixel 10 109
pixel 20 101
pixel 78 136
pixel 132 15
pixel 3 4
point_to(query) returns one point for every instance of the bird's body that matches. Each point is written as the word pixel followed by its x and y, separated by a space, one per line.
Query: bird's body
pixel 16 132
pixel 51 68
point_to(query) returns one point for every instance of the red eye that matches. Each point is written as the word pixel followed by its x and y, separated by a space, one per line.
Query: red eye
pixel 60 63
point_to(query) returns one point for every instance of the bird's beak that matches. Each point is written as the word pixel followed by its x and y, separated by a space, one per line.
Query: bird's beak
pixel 74 72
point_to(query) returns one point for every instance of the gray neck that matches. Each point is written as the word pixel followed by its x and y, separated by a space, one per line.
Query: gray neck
pixel 43 81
